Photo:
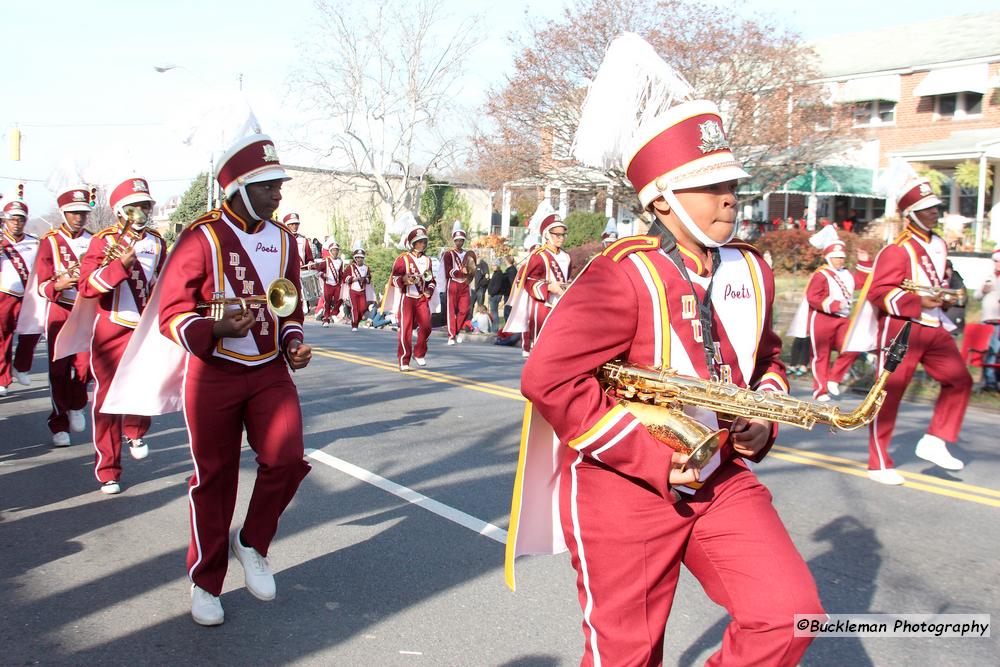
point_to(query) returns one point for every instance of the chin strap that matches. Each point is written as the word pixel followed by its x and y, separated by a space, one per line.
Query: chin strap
pixel 246 202
pixel 693 229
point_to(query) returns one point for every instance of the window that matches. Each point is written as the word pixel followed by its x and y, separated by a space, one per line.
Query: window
pixel 875 112
pixel 958 105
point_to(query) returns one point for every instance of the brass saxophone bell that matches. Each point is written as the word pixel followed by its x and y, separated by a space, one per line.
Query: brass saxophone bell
pixel 282 297
pixel 680 432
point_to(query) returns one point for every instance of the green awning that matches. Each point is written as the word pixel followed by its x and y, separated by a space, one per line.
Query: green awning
pixel 826 181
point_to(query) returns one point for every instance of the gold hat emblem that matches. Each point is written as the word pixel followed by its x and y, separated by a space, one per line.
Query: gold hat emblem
pixel 270 153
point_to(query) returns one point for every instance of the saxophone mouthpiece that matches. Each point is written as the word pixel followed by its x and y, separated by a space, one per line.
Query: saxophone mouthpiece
pixel 898 348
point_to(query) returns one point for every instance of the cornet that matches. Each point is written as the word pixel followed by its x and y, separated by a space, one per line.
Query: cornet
pixel 72 270
pixel 281 299
pixel 951 297
pixel 128 237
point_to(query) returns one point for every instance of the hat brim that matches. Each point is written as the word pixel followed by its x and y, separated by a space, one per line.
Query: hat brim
pixel 268 174
pixel 137 198
pixel 76 207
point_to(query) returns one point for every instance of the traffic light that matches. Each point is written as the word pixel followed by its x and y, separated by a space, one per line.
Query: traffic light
pixel 20 191
pixel 93 196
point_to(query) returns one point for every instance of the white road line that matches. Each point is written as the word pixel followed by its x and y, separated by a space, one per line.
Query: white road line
pixel 409 495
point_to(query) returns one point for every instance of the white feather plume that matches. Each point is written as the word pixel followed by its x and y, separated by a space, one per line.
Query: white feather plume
pixel 531 239
pixel 824 237
pixel 891 181
pixel 611 227
pixel 543 211
pixel 457 227
pixel 632 88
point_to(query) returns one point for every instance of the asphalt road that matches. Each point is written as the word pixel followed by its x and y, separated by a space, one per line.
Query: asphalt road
pixel 391 552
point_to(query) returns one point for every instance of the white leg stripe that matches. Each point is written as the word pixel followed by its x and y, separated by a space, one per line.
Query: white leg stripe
pixel 197 474
pixel 881 362
pixel 584 573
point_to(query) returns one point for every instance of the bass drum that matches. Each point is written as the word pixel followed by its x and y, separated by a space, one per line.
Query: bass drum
pixel 312 288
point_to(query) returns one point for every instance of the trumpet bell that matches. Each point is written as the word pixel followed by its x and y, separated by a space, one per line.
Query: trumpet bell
pixel 680 432
pixel 282 297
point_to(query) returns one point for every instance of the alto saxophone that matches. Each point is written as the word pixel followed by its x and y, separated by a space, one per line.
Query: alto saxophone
pixel 657 397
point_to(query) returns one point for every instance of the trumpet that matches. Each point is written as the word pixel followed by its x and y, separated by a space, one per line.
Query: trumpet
pixel 128 237
pixel 72 270
pixel 952 297
pixel 281 299
pixel 657 397
pixel 418 278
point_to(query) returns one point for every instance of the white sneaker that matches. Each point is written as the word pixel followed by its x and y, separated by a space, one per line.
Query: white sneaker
pixel 461 338
pixel 3 391
pixel 420 361
pixel 60 439
pixel 77 422
pixel 22 378
pixel 825 398
pixel 833 388
pixel 403 368
pixel 354 329
pixel 206 609
pixel 260 581
pixel 326 325
pixel 451 341
pixel 888 476
pixel 137 448
pixel 932 448
pixel 524 354
pixel 111 488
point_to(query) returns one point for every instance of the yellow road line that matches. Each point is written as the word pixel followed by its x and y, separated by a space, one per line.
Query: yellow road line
pixel 916 476
pixel 910 485
pixel 914 480
pixel 486 387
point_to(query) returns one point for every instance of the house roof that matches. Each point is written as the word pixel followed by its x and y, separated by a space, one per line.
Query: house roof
pixel 910 46
pixel 960 145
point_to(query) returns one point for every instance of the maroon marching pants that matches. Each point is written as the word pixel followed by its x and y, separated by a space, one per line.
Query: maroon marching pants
pixel 331 301
pixel 458 306
pixel 413 313
pixel 68 377
pixel 10 308
pixel 827 334
pixel 106 350
pixel 537 313
pixel 935 349
pixel 220 399
pixel 627 545
pixel 359 304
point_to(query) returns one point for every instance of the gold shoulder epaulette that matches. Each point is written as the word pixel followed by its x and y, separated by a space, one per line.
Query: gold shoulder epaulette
pixel 622 248
pixel 211 216
pixel 107 230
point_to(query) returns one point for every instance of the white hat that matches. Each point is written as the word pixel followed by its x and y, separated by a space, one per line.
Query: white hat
pixel 252 159
pixel 358 250
pixel 76 198
pixel 640 117
pixel 457 232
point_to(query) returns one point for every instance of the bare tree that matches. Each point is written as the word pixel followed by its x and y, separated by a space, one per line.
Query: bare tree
pixel 755 70
pixel 383 78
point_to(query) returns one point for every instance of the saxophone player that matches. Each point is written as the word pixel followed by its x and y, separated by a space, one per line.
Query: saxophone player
pixel 917 256
pixel 119 271
pixel 591 477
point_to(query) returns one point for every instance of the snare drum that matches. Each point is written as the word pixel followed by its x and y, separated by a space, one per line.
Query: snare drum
pixel 312 287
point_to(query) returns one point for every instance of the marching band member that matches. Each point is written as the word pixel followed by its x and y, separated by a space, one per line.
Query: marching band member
pixel 917 255
pixel 411 294
pixel 543 280
pixel 57 271
pixel 292 222
pixel 119 287
pixel 591 477
pixel 236 371
pixel 357 286
pixel 17 256
pixel 454 266
pixel 333 273
pixel 830 295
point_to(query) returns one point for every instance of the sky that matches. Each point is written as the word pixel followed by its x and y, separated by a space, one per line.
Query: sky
pixel 81 84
